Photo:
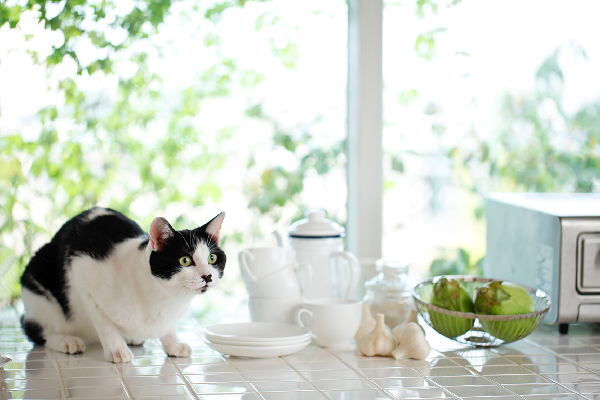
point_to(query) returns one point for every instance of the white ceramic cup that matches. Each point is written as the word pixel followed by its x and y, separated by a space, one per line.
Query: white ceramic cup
pixel 273 310
pixel 258 262
pixel 333 321
pixel 283 283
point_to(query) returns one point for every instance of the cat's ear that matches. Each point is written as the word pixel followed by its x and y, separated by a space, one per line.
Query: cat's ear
pixel 213 227
pixel 160 232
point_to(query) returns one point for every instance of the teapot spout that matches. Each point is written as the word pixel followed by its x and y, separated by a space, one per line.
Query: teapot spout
pixel 278 237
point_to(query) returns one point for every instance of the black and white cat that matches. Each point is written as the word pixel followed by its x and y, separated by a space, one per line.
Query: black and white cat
pixel 102 278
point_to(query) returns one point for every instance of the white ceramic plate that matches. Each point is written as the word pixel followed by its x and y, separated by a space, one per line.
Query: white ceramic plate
pixel 234 342
pixel 258 351
pixel 258 332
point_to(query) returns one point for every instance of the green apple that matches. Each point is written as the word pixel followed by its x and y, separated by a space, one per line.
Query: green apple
pixel 505 298
pixel 451 294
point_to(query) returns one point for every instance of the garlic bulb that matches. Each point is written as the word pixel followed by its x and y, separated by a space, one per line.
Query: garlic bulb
pixel 412 343
pixel 378 342
pixel 397 330
pixel 412 317
pixel 368 323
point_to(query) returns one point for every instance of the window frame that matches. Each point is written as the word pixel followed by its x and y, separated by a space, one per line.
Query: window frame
pixel 364 128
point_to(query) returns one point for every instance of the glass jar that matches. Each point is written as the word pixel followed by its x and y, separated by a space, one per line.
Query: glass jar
pixel 388 292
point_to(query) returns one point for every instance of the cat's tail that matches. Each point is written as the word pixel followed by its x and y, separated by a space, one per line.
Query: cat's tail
pixel 33 330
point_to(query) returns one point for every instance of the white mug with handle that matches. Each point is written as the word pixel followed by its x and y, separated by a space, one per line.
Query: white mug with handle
pixel 333 321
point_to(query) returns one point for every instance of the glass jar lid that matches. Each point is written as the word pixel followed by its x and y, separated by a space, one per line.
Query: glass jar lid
pixel 391 277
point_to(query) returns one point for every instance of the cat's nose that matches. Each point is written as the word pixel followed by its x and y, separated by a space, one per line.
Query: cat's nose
pixel 207 278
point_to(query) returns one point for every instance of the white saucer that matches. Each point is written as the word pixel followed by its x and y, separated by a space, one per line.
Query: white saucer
pixel 257 332
pixel 258 351
pixel 235 342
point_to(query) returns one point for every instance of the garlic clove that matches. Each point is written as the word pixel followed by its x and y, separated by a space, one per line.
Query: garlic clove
pixel 368 323
pixel 412 317
pixel 413 343
pixel 378 342
pixel 397 330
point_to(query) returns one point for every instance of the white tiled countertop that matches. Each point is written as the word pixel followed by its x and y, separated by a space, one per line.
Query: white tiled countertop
pixel 544 365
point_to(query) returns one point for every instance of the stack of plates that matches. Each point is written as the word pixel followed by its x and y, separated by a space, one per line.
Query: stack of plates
pixel 257 339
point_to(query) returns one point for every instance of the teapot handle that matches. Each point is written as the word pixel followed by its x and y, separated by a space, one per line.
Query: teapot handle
pixel 309 276
pixel 243 257
pixel 354 270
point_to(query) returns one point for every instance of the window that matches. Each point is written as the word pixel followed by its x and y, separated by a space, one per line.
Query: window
pixel 482 97
pixel 205 107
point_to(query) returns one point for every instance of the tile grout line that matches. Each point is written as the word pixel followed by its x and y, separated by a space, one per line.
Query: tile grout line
pixel 374 384
pixel 196 327
pixel 483 376
pixel 541 347
pixel 319 391
pixel 187 383
pixel 377 386
pixel 180 373
pixel 63 389
pixel 428 379
pixel 244 378
pixel 123 381
pixel 593 371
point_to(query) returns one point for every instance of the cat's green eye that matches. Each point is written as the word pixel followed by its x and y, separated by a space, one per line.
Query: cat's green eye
pixel 212 259
pixel 185 261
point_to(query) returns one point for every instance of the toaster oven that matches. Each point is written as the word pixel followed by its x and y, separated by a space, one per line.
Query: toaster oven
pixel 550 242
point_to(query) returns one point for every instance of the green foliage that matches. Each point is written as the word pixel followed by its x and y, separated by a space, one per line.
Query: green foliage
pixel 540 148
pixel 92 150
pixel 278 185
pixel 425 44
pixel 455 262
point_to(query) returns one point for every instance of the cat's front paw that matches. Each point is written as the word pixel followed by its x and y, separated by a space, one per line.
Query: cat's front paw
pixel 178 349
pixel 65 343
pixel 118 354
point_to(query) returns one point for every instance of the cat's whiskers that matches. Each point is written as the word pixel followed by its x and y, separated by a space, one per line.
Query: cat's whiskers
pixel 227 292
pixel 183 289
pixel 180 289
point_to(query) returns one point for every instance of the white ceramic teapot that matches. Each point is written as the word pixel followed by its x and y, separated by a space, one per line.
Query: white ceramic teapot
pixel 318 242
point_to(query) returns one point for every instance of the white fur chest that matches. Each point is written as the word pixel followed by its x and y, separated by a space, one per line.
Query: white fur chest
pixel 124 291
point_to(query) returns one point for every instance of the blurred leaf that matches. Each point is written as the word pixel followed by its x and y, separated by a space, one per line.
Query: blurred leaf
pixel 550 69
pixel 408 96
pixel 425 45
pixel 397 164
pixel 432 108
pixel 422 5
pixel 438 129
pixel 455 262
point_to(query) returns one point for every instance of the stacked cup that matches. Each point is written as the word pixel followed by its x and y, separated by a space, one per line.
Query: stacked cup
pixel 271 276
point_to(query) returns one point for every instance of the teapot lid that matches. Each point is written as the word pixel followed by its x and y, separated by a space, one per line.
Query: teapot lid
pixel 315 225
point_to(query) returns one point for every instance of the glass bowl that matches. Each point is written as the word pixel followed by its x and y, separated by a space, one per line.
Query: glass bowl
pixel 479 329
